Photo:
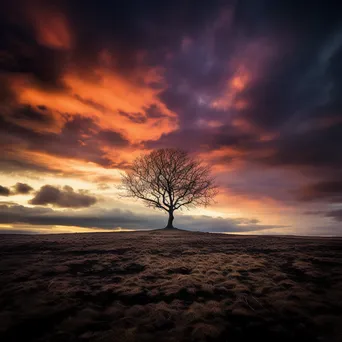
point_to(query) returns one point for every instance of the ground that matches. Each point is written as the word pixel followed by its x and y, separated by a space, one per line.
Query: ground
pixel 169 286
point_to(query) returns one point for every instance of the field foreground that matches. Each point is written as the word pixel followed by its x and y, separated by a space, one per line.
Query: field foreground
pixel 170 286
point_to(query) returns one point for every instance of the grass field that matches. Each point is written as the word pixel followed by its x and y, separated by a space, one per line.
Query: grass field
pixel 170 286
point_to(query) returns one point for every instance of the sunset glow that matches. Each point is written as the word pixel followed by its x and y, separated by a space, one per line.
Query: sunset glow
pixel 82 96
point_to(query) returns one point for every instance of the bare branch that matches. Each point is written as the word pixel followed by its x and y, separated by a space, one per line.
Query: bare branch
pixel 169 179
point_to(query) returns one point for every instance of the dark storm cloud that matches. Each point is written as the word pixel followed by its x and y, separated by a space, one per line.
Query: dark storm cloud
pixel 197 138
pixel 22 188
pixel 134 117
pixel 111 138
pixel 11 165
pixel 39 114
pixel 64 197
pixel 17 189
pixel 297 77
pixel 7 95
pixel 298 86
pixel 335 214
pixel 295 98
pixel 125 28
pixel 23 55
pixel 330 191
pixel 4 191
pixel 128 27
pixel 151 112
pixel 80 138
pixel 115 218
pixel 158 28
pixel 154 112
pixel 312 136
pixel 314 147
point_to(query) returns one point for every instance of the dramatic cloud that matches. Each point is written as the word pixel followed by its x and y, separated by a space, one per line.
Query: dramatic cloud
pixel 63 198
pixel 4 191
pixel 336 214
pixel 117 218
pixel 51 28
pixel 327 190
pixel 79 138
pixel 22 188
pixel 253 88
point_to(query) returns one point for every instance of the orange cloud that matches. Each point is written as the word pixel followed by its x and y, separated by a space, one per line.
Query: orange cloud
pixel 247 70
pixel 234 86
pixel 71 167
pixel 105 94
pixel 114 102
pixel 52 29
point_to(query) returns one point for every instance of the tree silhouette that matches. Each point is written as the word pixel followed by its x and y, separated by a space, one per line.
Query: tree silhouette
pixel 169 179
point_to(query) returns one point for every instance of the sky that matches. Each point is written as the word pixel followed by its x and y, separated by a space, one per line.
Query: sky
pixel 252 88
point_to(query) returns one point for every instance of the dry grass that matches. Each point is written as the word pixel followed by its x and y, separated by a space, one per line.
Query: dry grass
pixel 169 286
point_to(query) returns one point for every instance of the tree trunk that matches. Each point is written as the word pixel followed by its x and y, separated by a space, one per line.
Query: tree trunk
pixel 169 222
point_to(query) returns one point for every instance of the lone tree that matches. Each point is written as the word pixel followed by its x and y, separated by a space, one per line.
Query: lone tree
pixel 169 179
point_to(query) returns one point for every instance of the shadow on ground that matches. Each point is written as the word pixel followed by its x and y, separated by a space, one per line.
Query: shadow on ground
pixel 170 286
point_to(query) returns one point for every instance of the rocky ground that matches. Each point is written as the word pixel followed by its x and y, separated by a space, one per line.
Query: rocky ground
pixel 169 286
